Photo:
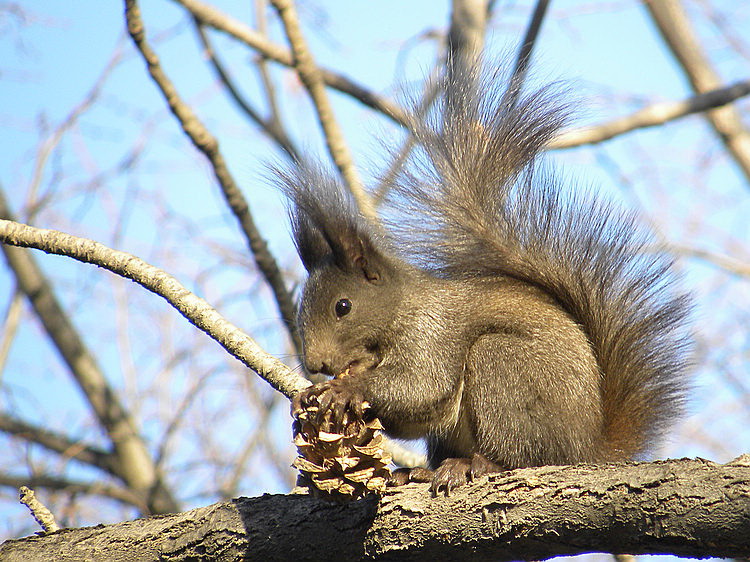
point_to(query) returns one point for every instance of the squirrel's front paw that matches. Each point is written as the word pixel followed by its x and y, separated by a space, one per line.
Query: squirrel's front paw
pixel 453 473
pixel 335 398
pixel 402 476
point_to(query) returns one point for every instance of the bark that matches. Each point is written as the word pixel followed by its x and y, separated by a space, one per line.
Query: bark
pixel 684 507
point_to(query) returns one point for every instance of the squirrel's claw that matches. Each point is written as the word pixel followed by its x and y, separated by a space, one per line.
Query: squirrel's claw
pixel 332 398
pixel 453 473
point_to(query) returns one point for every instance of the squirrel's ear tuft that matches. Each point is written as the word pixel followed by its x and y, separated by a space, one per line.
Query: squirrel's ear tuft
pixel 310 242
pixel 327 225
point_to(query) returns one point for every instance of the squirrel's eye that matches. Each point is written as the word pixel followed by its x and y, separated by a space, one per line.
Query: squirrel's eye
pixel 343 307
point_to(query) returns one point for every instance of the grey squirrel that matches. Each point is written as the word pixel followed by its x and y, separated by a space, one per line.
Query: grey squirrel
pixel 508 321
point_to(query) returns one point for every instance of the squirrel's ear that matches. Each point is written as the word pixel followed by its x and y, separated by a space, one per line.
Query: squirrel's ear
pixel 344 243
pixel 310 241
pixel 327 225
pixel 357 253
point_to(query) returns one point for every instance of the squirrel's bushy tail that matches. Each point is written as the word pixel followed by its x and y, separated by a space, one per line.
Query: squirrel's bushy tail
pixel 472 201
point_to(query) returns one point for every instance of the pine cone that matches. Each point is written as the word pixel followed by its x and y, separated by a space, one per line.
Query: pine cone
pixel 340 465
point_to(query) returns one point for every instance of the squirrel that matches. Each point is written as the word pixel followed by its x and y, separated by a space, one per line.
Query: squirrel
pixel 510 322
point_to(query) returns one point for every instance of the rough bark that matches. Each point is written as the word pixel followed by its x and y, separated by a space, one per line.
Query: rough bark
pixel 683 507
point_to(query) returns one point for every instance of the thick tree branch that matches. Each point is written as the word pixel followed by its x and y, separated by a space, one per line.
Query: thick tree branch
pixel 211 17
pixel 197 311
pixel 466 34
pixel 685 507
pixel 209 146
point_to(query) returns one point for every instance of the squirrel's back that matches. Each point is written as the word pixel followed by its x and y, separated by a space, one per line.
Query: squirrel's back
pixel 472 202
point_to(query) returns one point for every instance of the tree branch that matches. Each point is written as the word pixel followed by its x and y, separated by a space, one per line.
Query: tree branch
pixel 272 127
pixel 652 116
pixel 312 79
pixel 686 507
pixel 209 146
pixel 674 26
pixel 197 311
pixel 66 447
pixel 211 17
pixel 134 463
pixel 729 264
pixel 97 488
pixel 466 34
pixel 523 58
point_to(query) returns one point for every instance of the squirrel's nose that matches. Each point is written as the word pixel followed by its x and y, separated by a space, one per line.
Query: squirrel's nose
pixel 318 364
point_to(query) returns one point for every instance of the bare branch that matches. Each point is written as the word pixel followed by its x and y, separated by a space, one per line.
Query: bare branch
pixel 209 146
pixel 10 328
pixel 674 26
pixel 403 456
pixel 212 17
pixel 193 308
pixel 261 21
pixel 38 510
pixel 652 116
pixel 686 507
pixel 527 44
pixel 466 34
pixel 49 144
pixel 177 415
pixel 135 465
pixel 122 495
pixel 312 79
pixel 68 448
pixel 271 127
pixel 727 263
pixel 429 93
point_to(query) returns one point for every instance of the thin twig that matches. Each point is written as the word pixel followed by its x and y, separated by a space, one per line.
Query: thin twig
pixel 196 310
pixel 177 415
pixel 212 17
pixel 728 264
pixel 312 79
pixel 270 127
pixel 209 146
pixel 40 512
pixel 261 22
pixel 228 488
pixel 430 92
pixel 523 59
pixel 652 116
pixel 48 145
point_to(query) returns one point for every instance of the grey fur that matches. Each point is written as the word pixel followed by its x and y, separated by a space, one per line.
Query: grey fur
pixel 498 314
